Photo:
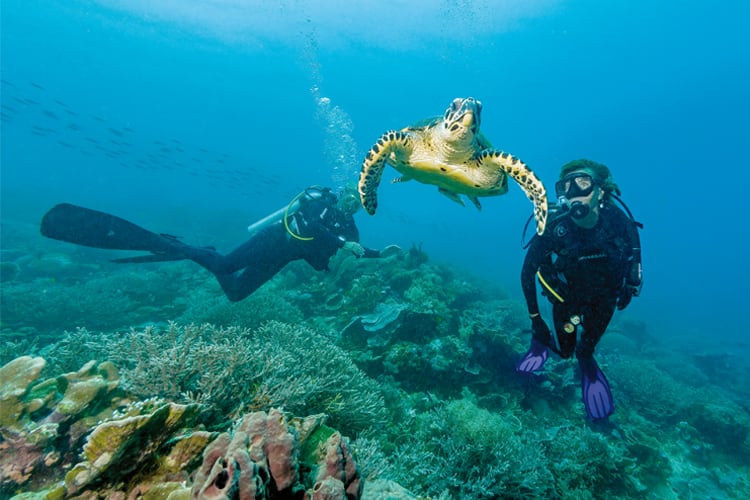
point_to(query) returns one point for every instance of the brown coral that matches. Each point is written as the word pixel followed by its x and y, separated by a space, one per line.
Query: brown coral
pixel 339 464
pixel 263 453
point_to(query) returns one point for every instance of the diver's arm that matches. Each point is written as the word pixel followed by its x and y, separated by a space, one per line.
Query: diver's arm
pixel 350 237
pixel 371 253
pixel 528 275
pixel 360 251
pixel 634 273
pixel 632 280
pixel 319 231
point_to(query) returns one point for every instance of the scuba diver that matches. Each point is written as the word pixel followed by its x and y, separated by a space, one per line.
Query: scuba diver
pixel 313 227
pixel 588 262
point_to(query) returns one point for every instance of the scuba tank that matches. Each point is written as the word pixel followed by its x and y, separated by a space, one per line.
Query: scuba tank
pixel 310 194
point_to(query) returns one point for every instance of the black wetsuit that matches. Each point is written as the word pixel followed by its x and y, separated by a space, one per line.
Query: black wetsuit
pixel 273 247
pixel 587 269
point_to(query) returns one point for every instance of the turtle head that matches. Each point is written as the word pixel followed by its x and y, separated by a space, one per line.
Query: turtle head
pixel 462 118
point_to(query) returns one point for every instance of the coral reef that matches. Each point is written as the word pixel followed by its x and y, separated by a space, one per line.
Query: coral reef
pixel 79 431
pixel 411 358
pixel 78 435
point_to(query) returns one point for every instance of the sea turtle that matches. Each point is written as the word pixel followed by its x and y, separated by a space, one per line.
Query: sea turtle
pixel 450 153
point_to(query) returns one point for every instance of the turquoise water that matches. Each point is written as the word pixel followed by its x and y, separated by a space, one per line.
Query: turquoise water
pixel 177 117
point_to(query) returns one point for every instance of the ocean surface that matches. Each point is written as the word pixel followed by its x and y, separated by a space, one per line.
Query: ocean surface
pixel 198 118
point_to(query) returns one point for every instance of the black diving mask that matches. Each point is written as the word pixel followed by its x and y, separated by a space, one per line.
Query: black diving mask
pixel 575 185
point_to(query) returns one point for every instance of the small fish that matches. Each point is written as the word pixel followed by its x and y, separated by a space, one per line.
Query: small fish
pixel 45 130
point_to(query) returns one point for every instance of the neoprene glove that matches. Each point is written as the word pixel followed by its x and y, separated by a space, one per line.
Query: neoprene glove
pixel 626 295
pixel 355 248
pixel 539 327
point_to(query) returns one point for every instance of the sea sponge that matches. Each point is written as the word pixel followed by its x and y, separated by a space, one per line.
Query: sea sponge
pixel 339 464
pixel 262 455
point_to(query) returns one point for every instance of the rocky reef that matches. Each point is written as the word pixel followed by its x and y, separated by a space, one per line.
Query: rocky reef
pixel 79 435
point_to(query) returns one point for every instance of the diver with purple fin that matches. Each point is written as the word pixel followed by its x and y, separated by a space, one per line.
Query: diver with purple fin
pixel 588 263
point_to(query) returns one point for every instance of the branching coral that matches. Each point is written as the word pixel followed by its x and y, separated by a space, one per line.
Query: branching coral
pixel 584 461
pixel 471 453
pixel 231 370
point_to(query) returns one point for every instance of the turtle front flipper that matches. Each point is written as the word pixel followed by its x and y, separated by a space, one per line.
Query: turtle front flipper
pixel 525 178
pixel 374 164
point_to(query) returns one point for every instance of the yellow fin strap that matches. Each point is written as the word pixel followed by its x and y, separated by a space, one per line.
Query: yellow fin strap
pixel 286 220
pixel 549 288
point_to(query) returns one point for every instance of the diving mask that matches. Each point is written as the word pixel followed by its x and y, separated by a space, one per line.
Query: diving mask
pixel 349 203
pixel 575 185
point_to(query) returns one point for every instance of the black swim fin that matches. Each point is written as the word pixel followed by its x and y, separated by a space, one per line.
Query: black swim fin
pixel 91 228
pixel 152 257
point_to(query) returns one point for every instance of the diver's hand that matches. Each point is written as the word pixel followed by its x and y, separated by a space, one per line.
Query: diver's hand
pixel 355 248
pixel 539 327
pixel 626 295
pixel 390 250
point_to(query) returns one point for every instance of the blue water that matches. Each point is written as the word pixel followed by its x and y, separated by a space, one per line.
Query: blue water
pixel 198 120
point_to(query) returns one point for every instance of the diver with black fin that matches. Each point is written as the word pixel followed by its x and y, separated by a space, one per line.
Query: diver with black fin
pixel 312 227
pixel 588 263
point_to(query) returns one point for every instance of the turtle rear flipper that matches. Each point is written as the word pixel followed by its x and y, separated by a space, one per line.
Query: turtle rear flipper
pixel 476 203
pixel 525 178
pixel 374 164
pixel 453 196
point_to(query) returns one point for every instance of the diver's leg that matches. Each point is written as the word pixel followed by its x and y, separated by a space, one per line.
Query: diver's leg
pixel 595 321
pixel 208 258
pixel 597 397
pixel 566 338
pixel 245 255
pixel 537 354
pixel 237 286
